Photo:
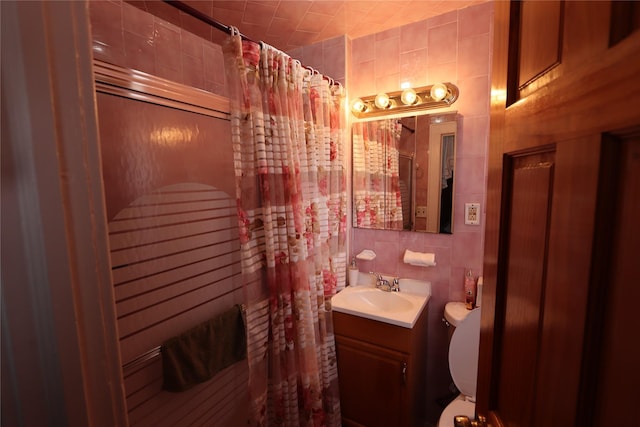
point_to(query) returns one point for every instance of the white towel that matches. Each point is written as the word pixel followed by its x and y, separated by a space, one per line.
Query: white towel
pixel 420 259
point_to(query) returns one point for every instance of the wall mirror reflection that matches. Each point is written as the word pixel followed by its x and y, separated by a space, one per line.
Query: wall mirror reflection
pixel 403 172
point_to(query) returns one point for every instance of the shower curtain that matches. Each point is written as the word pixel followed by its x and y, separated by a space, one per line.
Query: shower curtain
pixel 287 133
pixel 376 174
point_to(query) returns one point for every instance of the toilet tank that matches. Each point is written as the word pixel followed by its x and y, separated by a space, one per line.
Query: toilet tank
pixel 454 313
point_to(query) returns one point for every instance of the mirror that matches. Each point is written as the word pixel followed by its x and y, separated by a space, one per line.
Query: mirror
pixel 403 171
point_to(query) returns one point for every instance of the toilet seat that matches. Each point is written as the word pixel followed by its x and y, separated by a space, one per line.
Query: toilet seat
pixel 463 354
pixel 459 406
pixel 463 366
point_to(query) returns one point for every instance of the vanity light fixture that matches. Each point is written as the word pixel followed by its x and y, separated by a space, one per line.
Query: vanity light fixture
pixel 358 106
pixel 439 95
pixel 409 97
pixel 382 101
pixel 438 92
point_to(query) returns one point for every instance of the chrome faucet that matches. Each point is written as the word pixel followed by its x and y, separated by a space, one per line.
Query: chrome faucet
pixel 384 284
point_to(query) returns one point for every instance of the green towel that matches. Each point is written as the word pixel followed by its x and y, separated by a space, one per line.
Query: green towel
pixel 198 354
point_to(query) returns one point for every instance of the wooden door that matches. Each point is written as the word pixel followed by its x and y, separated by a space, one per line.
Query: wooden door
pixel 561 238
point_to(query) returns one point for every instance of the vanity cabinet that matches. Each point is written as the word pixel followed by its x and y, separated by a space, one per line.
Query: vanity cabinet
pixel 382 371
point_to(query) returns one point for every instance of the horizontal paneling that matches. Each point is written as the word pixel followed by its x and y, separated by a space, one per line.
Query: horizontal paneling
pixel 209 404
pixel 152 233
pixel 129 256
pixel 173 268
pixel 175 255
pixel 171 277
pixel 176 263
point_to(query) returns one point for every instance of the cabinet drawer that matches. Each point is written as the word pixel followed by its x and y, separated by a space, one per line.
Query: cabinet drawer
pixel 372 331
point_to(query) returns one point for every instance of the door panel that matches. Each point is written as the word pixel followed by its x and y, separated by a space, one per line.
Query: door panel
pixel 619 320
pixel 557 239
pixel 370 369
pixel 540 38
pixel 530 180
pixel 568 279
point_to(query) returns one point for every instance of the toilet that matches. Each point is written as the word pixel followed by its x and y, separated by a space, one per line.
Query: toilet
pixel 463 361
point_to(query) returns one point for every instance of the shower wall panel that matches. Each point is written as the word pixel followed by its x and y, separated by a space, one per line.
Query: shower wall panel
pixel 168 181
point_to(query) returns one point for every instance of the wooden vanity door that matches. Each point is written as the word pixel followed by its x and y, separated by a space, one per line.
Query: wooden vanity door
pixel 560 238
pixel 372 387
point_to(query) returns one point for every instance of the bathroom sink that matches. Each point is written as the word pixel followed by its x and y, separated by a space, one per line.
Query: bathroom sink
pixel 398 308
pixel 377 300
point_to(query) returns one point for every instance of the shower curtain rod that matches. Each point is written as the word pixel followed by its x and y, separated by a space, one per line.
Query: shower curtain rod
pixel 202 17
pixel 227 29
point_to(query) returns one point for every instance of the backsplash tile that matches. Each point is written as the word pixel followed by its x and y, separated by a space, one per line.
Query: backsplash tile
pixel 454 47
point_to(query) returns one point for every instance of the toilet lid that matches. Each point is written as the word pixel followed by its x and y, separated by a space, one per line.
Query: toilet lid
pixel 463 354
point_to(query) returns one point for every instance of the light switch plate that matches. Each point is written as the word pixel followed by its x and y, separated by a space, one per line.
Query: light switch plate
pixel 472 213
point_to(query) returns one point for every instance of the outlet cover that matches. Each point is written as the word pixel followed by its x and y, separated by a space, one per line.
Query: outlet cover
pixel 472 213
pixel 421 211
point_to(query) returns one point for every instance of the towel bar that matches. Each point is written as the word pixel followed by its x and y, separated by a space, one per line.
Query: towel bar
pixel 142 359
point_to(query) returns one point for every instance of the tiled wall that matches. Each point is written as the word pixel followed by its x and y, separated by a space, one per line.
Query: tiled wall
pixel 130 37
pixel 454 47
pixel 329 57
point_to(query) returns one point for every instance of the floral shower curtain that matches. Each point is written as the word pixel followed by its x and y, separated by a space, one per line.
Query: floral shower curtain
pixel 287 132
pixel 376 174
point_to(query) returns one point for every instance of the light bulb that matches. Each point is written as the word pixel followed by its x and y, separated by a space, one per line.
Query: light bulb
pixel 358 106
pixel 409 96
pixel 438 91
pixel 382 100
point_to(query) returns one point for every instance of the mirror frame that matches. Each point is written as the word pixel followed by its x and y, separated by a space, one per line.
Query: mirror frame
pixel 437 130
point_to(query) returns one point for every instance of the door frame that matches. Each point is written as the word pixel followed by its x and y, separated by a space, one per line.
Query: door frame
pixel 60 363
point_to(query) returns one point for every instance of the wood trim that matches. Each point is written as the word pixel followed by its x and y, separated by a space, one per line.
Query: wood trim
pixel 434 171
pixel 116 80
pixel 503 91
pixel 581 106
pixel 69 316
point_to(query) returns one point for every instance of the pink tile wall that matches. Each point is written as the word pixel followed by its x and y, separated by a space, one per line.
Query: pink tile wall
pixel 453 47
pixel 329 57
pixel 130 37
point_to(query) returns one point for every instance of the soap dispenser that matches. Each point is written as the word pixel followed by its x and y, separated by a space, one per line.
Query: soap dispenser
pixel 469 290
pixel 353 272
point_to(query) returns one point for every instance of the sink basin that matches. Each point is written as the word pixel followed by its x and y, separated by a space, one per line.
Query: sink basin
pixel 377 300
pixel 397 308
